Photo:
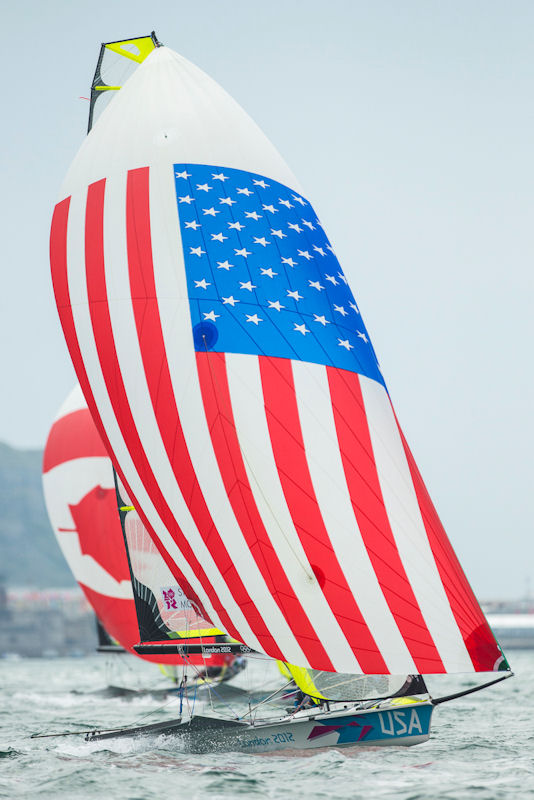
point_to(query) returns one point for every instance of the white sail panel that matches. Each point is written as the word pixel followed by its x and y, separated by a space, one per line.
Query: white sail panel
pixel 149 312
pixel 74 401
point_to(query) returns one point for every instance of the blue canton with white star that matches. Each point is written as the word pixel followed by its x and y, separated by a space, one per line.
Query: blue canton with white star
pixel 262 277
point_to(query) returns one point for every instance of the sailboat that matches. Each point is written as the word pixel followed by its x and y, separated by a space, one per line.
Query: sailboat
pixel 227 367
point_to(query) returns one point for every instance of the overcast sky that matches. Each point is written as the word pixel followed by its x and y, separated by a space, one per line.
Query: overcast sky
pixel 411 128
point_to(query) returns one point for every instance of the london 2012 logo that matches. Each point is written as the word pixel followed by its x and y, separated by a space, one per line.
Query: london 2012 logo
pixel 349 731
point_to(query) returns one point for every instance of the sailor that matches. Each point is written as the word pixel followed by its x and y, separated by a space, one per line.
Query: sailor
pixel 303 701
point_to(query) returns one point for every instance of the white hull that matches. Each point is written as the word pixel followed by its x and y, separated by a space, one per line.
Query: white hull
pixel 398 725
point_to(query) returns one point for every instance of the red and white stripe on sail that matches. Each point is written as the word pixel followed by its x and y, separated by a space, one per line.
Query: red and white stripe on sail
pixel 280 491
pixel 374 592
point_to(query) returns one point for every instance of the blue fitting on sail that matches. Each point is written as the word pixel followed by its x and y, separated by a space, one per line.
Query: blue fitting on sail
pixel 205 336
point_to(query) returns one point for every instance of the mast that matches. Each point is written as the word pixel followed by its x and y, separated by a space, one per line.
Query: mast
pixel 132 50
pixel 105 643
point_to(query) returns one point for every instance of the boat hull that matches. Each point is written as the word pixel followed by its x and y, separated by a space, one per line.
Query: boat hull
pixel 398 726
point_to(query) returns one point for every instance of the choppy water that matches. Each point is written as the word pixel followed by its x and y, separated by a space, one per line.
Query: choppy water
pixel 482 746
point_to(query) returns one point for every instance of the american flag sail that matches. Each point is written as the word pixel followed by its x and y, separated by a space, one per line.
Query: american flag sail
pixel 227 366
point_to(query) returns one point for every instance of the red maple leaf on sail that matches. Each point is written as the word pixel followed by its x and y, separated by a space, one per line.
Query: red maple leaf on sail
pixel 97 512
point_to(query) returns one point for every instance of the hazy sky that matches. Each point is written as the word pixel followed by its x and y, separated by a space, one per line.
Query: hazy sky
pixel 411 128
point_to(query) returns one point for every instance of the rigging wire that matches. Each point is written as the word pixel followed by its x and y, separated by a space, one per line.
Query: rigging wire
pixel 103 730
pixel 267 699
pixel 211 688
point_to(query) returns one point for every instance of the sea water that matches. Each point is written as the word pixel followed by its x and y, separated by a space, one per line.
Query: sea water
pixel 481 747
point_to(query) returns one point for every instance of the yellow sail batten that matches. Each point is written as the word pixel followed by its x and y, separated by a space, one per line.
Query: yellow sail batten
pixel 197 633
pixel 106 88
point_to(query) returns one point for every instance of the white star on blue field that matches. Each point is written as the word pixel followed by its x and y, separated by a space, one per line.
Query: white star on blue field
pixel 262 277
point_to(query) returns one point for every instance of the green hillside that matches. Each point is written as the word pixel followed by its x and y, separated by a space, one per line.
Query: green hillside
pixel 29 554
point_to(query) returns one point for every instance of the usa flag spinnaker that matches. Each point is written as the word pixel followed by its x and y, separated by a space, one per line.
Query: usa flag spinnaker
pixel 226 364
